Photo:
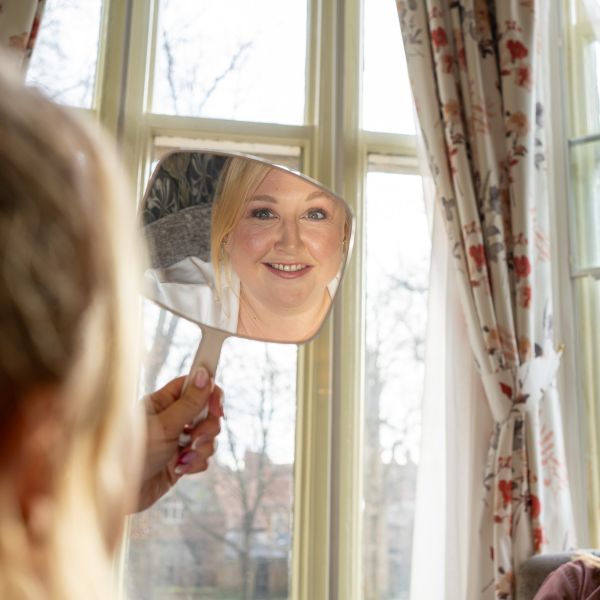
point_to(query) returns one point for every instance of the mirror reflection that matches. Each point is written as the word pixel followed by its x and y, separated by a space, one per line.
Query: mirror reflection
pixel 243 246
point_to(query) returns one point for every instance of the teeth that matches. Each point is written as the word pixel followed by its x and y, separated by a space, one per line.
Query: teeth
pixel 281 267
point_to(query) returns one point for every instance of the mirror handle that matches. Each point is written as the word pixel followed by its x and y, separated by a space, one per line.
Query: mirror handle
pixel 207 356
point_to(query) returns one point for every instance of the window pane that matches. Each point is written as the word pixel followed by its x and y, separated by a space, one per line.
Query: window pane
pixel 587 294
pixel 585 179
pixel 65 56
pixel 397 263
pixel 232 59
pixel 593 86
pixel 584 65
pixel 387 98
pixel 226 533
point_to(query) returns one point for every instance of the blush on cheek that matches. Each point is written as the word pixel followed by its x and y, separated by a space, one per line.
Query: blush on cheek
pixel 324 246
pixel 257 244
pixel 249 238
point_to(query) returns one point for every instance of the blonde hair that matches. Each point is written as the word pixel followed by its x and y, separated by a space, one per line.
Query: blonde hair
pixel 68 299
pixel 239 180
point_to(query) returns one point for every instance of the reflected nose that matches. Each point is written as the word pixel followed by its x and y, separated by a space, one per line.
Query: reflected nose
pixel 289 236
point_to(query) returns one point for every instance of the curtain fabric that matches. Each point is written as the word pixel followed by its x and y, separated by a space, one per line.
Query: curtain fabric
pixel 19 25
pixel 475 70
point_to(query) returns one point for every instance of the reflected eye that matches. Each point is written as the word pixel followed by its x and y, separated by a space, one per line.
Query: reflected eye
pixel 316 214
pixel 262 214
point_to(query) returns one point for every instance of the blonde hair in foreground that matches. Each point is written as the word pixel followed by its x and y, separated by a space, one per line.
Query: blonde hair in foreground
pixel 68 300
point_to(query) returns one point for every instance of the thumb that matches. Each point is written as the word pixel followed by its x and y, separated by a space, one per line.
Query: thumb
pixel 189 405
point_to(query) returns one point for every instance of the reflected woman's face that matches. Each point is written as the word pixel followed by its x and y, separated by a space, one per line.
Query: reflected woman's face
pixel 288 245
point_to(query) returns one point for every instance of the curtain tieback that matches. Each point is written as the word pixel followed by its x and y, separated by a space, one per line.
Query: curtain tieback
pixel 520 388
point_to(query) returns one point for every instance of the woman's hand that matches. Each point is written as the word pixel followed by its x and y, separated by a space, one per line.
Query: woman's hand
pixel 167 413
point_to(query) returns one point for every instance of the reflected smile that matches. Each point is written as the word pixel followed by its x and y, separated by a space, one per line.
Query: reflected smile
pixel 288 268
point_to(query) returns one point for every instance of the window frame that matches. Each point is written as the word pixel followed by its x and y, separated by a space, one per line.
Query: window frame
pixel 327 532
pixel 575 317
pixel 327 549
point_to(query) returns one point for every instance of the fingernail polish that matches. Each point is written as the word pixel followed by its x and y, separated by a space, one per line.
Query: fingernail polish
pixel 184 461
pixel 180 469
pixel 201 378
pixel 186 458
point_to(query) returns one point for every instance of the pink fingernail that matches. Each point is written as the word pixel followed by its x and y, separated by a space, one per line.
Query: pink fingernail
pixel 186 458
pixel 201 378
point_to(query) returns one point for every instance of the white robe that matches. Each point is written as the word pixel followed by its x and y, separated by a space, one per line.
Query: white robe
pixel 188 289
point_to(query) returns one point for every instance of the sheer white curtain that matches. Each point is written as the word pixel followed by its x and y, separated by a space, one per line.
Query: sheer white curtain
pixel 455 437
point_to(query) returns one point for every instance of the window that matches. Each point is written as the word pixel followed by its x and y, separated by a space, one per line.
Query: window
pixel 253 69
pixel 212 534
pixel 65 61
pixel 397 257
pixel 397 247
pixel 583 71
pixel 270 78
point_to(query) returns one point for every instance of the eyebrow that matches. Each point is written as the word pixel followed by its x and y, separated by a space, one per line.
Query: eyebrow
pixel 272 200
pixel 263 198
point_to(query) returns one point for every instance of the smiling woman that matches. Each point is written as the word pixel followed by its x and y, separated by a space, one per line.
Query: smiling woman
pixel 277 246
pixel 285 245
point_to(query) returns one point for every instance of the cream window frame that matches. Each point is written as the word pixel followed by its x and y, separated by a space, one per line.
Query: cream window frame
pixel 327 549
pixel 580 381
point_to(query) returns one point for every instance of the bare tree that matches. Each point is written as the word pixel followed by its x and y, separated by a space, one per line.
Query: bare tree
pixel 393 337
pixel 227 512
pixel 52 67
pixel 188 82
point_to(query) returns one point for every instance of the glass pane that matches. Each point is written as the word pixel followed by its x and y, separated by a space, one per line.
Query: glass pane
pixel 65 56
pixel 387 99
pixel 224 534
pixel 397 262
pixel 585 179
pixel 584 66
pixel 232 59
pixel 593 82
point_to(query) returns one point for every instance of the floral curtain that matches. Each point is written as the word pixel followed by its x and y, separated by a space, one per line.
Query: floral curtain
pixel 19 25
pixel 476 75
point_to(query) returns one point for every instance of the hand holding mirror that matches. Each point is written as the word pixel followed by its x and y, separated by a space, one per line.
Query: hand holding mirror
pixel 242 247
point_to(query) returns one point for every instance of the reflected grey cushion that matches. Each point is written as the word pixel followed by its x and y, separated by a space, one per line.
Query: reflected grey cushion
pixel 176 236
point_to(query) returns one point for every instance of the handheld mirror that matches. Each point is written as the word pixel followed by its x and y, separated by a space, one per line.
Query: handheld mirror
pixel 242 247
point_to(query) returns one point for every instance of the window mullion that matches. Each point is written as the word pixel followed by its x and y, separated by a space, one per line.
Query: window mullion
pixel 112 65
pixel 310 551
pixel 348 349
pixel 136 142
